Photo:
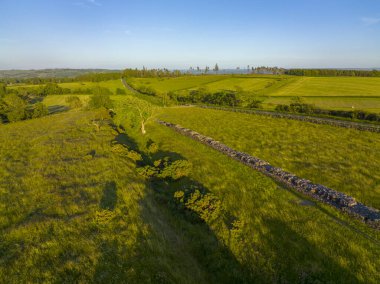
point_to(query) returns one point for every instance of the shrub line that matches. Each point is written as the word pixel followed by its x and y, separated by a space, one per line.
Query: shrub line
pixel 317 120
pixel 343 202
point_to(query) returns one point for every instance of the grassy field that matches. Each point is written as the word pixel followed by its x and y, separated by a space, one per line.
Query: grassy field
pixel 325 92
pixel 331 86
pixel 343 159
pixel 343 93
pixel 81 213
pixel 284 237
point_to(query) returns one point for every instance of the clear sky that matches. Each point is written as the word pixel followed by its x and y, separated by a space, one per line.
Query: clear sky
pixel 184 33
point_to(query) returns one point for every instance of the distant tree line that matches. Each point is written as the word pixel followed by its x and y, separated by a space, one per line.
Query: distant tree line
pixel 267 70
pixel 332 72
pixel 150 73
pixel 55 89
pixel 90 77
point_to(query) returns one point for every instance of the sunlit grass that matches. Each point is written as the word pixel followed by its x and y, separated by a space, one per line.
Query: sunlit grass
pixel 343 159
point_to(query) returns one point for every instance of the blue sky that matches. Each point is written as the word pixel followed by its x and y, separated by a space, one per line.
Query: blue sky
pixel 184 33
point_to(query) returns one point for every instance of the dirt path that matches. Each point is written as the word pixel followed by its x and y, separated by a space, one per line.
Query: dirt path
pixel 126 85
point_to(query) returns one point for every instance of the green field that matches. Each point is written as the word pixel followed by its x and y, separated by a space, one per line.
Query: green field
pixel 344 93
pixel 341 93
pixel 343 159
pixel 83 214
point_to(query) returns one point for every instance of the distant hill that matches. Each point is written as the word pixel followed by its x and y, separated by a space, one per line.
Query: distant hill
pixel 49 73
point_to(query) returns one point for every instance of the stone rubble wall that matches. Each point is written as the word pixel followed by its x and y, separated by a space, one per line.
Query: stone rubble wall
pixel 312 119
pixel 345 203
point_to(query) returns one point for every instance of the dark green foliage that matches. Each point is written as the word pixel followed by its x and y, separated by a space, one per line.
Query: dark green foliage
pixel 301 108
pixel 202 95
pixel 39 110
pixel 166 169
pixel 255 104
pixel 282 108
pixel 205 206
pixel 332 73
pixel 147 90
pixel 14 108
pixel 311 109
pixel 74 102
pixel 100 100
pixel 52 89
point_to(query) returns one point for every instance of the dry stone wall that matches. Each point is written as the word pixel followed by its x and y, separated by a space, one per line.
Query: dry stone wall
pixel 312 119
pixel 345 203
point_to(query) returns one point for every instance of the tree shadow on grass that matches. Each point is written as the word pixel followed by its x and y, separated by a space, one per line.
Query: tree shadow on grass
pixel 57 109
pixel 184 236
pixel 109 198
pixel 296 260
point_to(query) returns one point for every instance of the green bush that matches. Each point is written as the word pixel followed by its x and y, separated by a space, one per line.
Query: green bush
pixel 147 90
pixel 255 104
pixel 205 206
pixel 100 100
pixel 74 102
pixel 166 169
pixel 14 108
pixel 282 108
pixel 40 110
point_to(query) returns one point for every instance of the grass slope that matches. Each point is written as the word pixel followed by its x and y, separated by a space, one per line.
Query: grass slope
pixel 73 211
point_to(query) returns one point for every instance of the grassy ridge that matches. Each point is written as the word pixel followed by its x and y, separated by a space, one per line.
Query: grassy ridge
pixel 343 159
pixel 74 211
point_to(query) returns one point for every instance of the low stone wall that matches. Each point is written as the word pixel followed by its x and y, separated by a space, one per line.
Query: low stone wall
pixel 312 119
pixel 345 203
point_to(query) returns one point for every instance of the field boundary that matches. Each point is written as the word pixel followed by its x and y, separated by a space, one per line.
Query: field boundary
pixel 343 202
pixel 312 119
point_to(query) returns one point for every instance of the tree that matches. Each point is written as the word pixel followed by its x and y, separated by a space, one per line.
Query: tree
pixel 40 110
pixel 99 100
pixel 207 69
pixel 14 108
pixel 74 102
pixel 139 110
pixel 216 68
